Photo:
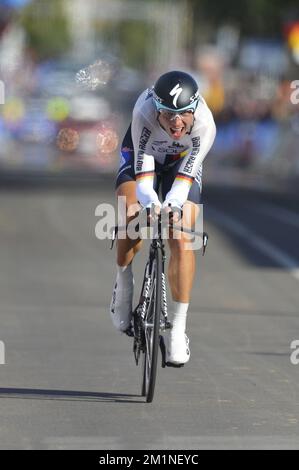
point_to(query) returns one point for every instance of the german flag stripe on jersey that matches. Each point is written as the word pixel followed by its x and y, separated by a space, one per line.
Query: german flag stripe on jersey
pixel 145 174
pixel 181 177
pixel 173 158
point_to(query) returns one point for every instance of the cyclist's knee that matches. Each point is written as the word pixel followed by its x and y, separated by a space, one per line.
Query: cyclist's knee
pixel 177 246
pixel 137 246
pixel 129 203
pixel 126 250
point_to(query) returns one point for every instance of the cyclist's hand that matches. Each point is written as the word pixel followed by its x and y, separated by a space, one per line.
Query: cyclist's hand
pixel 134 210
pixel 174 213
pixel 153 213
pixel 149 214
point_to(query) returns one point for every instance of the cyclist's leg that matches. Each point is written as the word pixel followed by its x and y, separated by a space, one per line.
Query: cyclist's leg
pixel 181 267
pixel 182 260
pixel 181 270
pixel 126 187
pixel 127 248
pixel 121 303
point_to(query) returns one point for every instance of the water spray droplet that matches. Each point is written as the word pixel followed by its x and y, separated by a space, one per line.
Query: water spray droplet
pixel 97 74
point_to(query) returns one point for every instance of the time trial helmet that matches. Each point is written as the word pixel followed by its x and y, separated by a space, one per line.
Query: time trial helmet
pixel 176 91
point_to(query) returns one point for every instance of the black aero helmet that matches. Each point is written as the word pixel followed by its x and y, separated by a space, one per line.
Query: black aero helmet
pixel 175 91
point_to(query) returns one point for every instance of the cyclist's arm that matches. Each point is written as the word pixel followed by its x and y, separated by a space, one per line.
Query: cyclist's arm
pixel 144 163
pixel 190 166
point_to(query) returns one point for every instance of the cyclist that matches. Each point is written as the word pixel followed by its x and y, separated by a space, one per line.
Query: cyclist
pixel 171 132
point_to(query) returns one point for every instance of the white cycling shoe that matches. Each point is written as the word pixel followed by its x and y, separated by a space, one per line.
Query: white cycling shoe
pixel 121 307
pixel 177 348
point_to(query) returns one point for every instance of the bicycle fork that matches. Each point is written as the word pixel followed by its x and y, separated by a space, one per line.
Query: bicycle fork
pixel 139 316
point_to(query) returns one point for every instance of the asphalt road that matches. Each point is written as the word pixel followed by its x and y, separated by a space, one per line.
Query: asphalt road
pixel 69 380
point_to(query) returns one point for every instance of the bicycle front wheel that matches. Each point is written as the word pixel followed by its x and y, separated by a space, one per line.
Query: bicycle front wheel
pixel 152 328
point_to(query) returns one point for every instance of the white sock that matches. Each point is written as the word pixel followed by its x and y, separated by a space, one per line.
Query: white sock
pixel 179 317
pixel 125 280
pixel 124 273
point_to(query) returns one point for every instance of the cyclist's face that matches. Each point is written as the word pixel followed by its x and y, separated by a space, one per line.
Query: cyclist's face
pixel 176 124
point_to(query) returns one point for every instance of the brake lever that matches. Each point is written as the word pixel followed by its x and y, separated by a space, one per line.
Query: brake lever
pixel 205 238
pixel 113 236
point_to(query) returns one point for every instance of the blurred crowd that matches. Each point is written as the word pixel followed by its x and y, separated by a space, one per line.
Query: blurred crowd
pixel 256 111
pixel 60 113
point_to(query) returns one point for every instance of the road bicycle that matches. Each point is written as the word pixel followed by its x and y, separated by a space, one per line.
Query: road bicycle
pixel 150 318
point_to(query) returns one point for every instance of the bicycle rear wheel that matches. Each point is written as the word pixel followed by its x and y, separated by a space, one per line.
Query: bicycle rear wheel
pixel 152 329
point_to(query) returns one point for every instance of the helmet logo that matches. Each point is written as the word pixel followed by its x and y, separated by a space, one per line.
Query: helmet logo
pixel 176 91
pixel 194 97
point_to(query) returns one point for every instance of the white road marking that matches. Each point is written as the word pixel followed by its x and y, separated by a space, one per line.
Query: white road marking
pixel 280 213
pixel 234 441
pixel 82 443
pixel 257 242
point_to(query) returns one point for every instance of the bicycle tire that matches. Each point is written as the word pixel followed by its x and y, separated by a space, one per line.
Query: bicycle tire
pixel 150 358
pixel 143 367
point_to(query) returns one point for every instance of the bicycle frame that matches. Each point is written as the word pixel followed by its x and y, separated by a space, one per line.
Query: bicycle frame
pixel 150 317
pixel 139 314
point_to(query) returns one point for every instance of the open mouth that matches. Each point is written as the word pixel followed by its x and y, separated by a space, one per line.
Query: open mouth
pixel 177 131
